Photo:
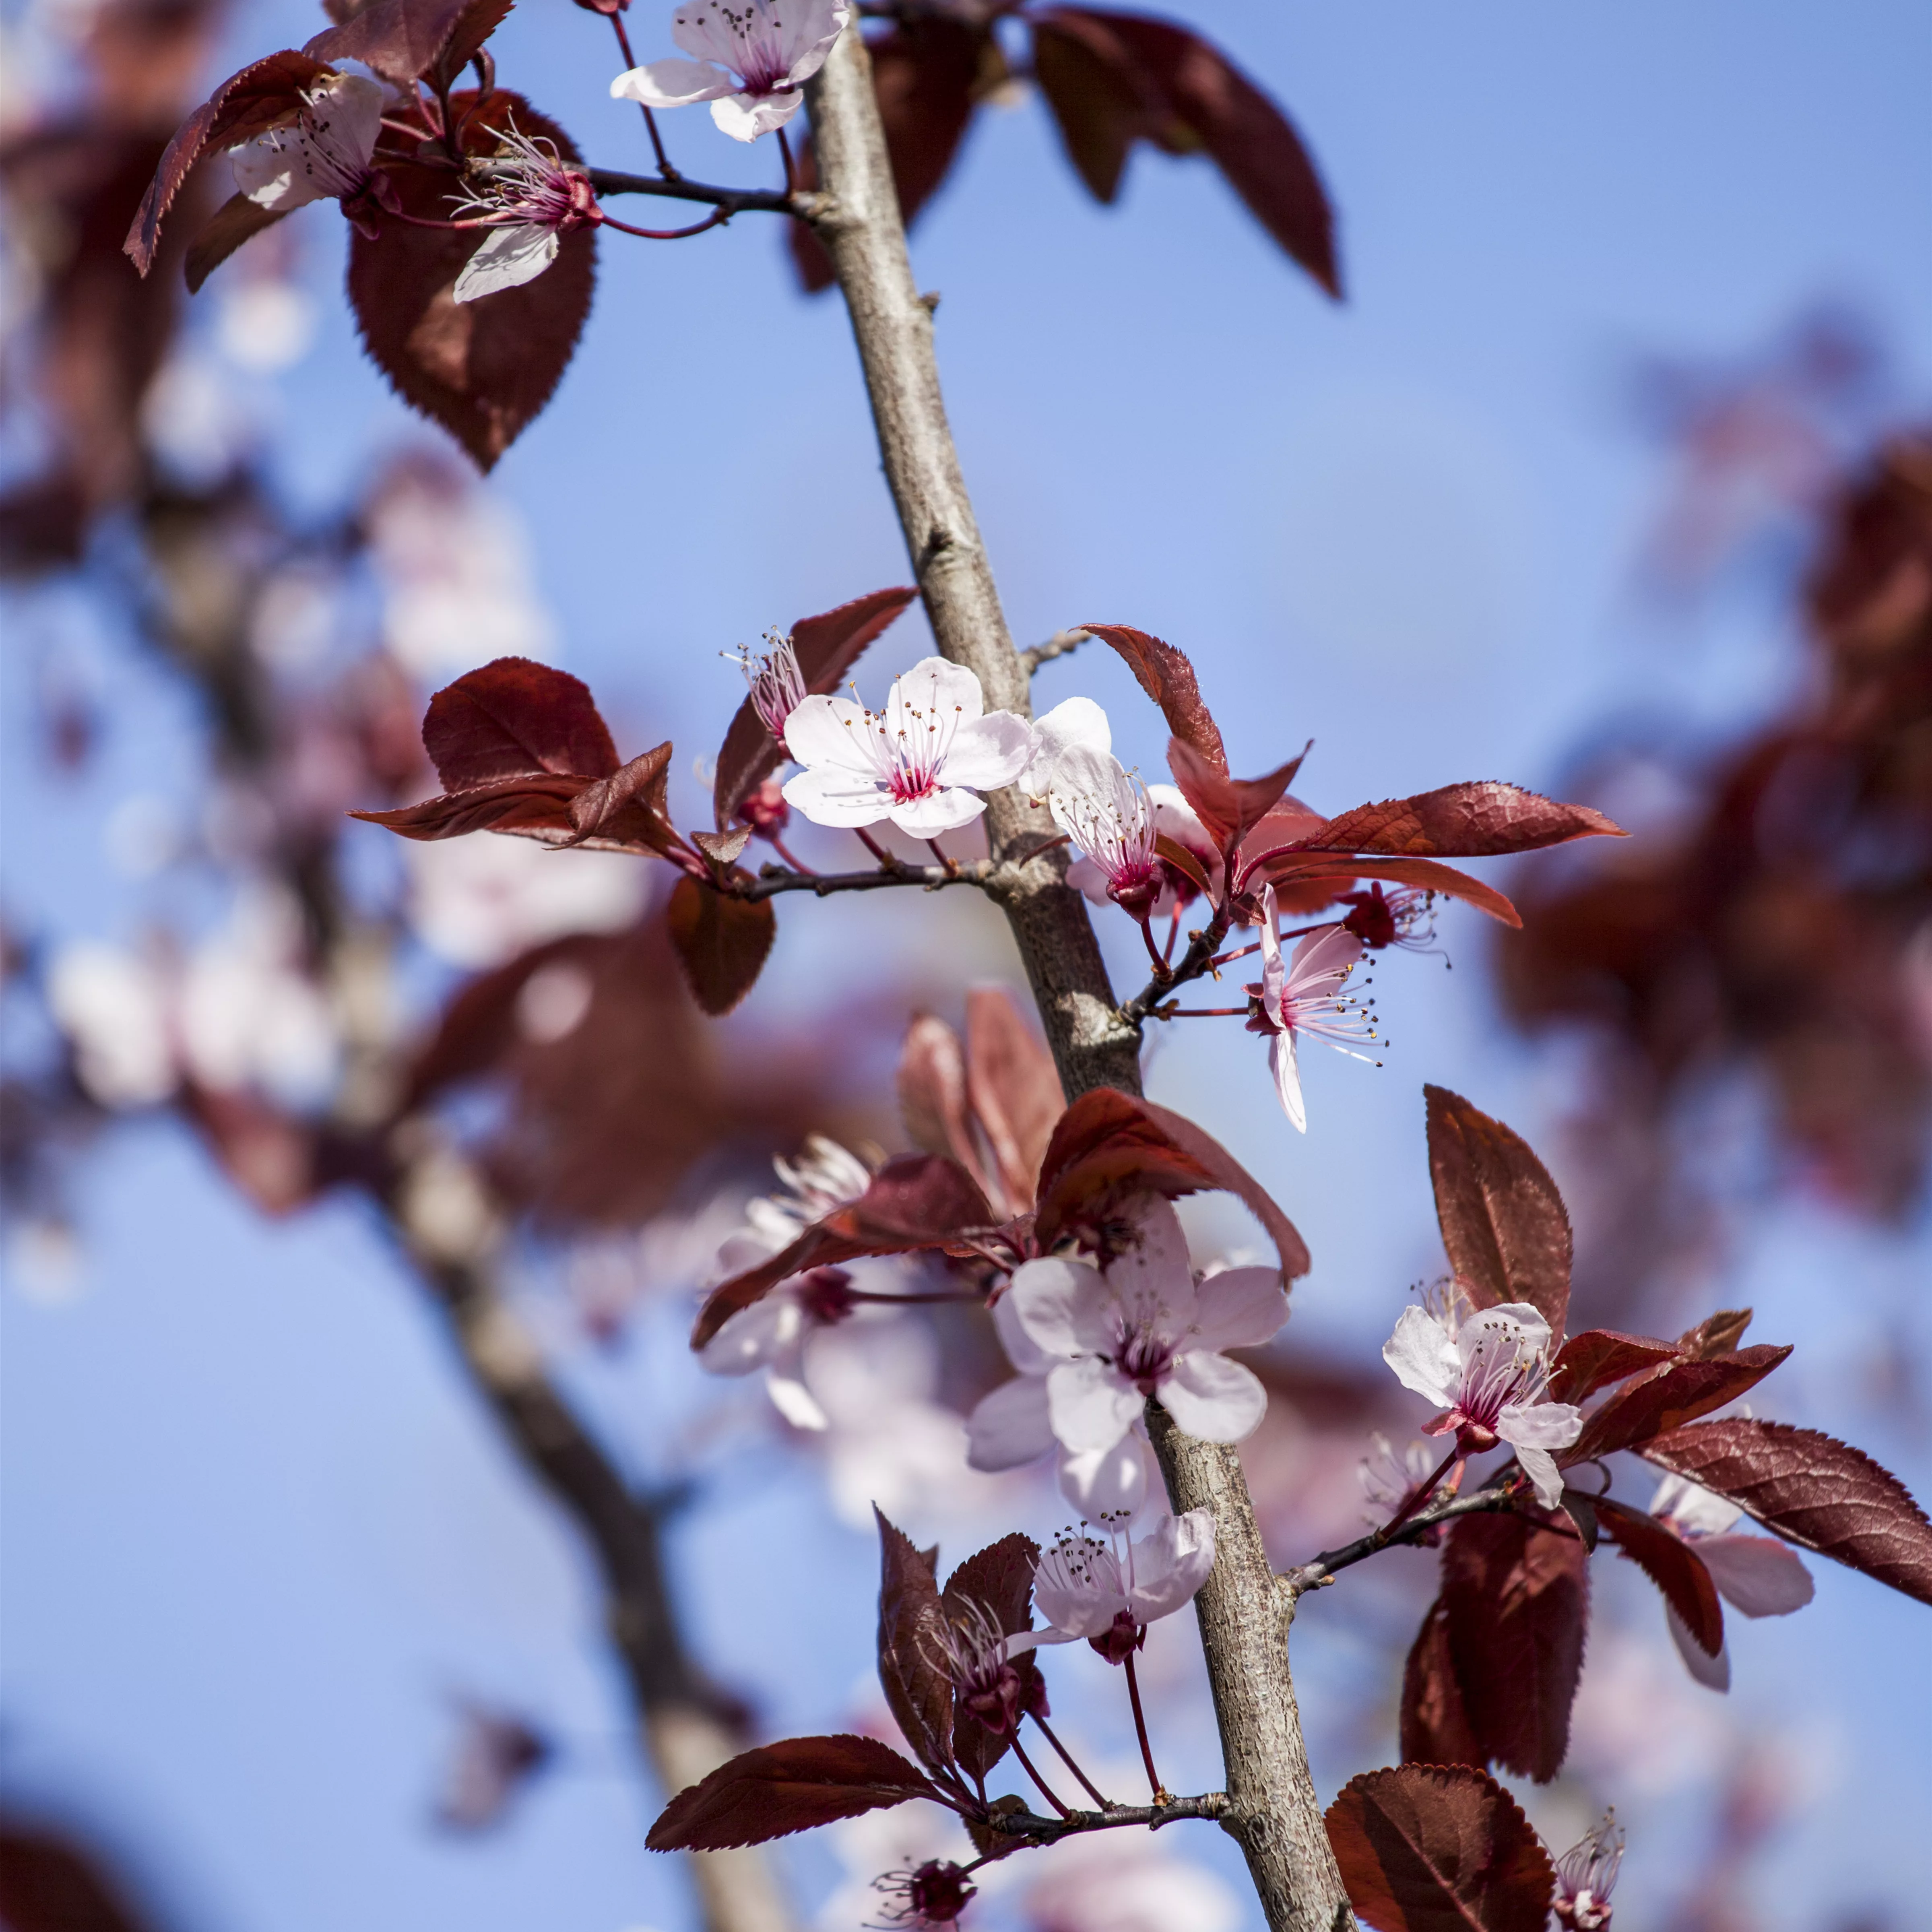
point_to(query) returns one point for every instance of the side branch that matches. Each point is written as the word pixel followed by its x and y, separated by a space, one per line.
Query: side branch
pixel 774 880
pixel 1028 1825
pixel 1295 1583
pixel 732 200
pixel 1057 646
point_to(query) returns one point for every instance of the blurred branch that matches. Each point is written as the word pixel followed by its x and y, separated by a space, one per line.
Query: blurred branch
pixel 1057 646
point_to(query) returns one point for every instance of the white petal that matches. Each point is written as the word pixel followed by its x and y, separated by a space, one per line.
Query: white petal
pixel 1319 962
pixel 1105 1482
pixel 988 752
pixel 1287 1079
pixel 1540 1466
pixel 794 1401
pixel 1174 816
pixel 1540 1425
pixel 1076 720
pixel 508 258
pixel 823 730
pixel 1713 1672
pixel 1084 877
pixel 1274 973
pixel 1239 1308
pixel 269 170
pixel 945 810
pixel 1423 1357
pixel 937 685
pixel 754 1336
pixel 672 83
pixel 1093 1406
pixel 1762 1577
pixel 1524 1325
pixel 1171 1564
pixel 1010 1425
pixel 1691 1507
pixel 1022 1351
pixel 1213 1398
pixel 745 116
pixel 1080 1607
pixel 805 38
pixel 1063 1307
pixel 830 797
pixel 1153 1281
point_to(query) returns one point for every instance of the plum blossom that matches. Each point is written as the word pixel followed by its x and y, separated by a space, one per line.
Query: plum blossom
pixel 931 1894
pixel 921 762
pixel 324 154
pixel 1174 818
pixel 1404 918
pixel 751 60
pixel 1756 1574
pixel 1073 723
pixel 530 197
pixel 1303 996
pixel 1585 1875
pixel 776 683
pixel 1104 810
pixel 1489 1370
pixel 1109 1591
pixel 1127 1881
pixel 1139 1327
pixel 1389 1480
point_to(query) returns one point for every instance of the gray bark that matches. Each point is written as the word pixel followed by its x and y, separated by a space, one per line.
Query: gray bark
pixel 1272 1808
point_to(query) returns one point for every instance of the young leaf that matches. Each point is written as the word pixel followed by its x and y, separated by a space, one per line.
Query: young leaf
pixel 484 369
pixel 1812 1490
pixel 1673 1565
pixel 722 942
pixel 399 39
pixel 536 806
pixel 1095 102
pixel 1716 1334
pixel 1516 1599
pixel 932 1092
pixel 1296 871
pixel 911 1623
pixel 1438 1848
pixel 1435 1727
pixel 1600 1356
pixel 1109 1147
pixel 1167 677
pixel 514 716
pixel 1502 1220
pixel 1668 1399
pixel 1477 821
pixel 1014 1089
pixel 630 807
pixel 1229 808
pixel 238 219
pixel 779 1789
pixel 828 645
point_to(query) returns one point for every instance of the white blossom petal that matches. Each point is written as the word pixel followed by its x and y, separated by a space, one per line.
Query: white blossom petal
pixel 754 1336
pixel 1540 1466
pixel 1762 1577
pixel 1713 1672
pixel 507 257
pixel 672 83
pixel 1093 1406
pixel 1061 1306
pixel 1009 1426
pixel 1170 1564
pixel 1239 1308
pixel 823 730
pixel 1022 1351
pixel 1213 1398
pixel 1152 1281
pixel 1074 721
pixel 827 796
pixel 945 810
pixel 1424 1356
pixel 1691 1508
pixel 1540 1425
pixel 936 684
pixel 1110 1483
pixel 1287 1079
pixel 745 116
pixel 989 752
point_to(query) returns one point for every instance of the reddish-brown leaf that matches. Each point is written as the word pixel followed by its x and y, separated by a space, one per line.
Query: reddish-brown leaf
pixel 482 369
pixel 1813 1489
pixel 1716 1334
pixel 512 717
pixel 1600 1356
pixel 1294 871
pixel 911 1627
pixel 999 1580
pixel 1673 1565
pixel 238 219
pixel 1516 1600
pixel 1095 101
pixel 931 1086
pixel 722 942
pixel 629 808
pixel 1502 1220
pixel 1435 1727
pixel 1013 1088
pixel 1438 1848
pixel 1109 1147
pixel 1229 808
pixel 537 806
pixel 1171 852
pixel 1669 1397
pixel 477 21
pixel 399 39
pixel 916 1201
pixel 265 94
pixel 1480 819
pixel 779 1789
pixel 1167 677
pixel 828 645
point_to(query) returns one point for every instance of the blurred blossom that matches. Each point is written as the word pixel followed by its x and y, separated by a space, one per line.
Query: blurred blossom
pixel 195 420
pixel 1639 1724
pixel 266 325
pixel 900 1840
pixel 1128 1882
pixel 144 834
pixel 493 1756
pixel 45 1261
pixel 1388 1479
pixel 480 901
pixel 113 1007
pixel 296 616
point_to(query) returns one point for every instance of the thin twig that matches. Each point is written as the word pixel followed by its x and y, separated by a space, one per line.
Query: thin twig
pixel 1499 1493
pixel 1030 1824
pixel 977 872
pixel 736 200
pixel 1057 646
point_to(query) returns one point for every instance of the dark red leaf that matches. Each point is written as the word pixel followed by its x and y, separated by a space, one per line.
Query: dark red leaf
pixel 1814 1490
pixel 477 21
pixel 1669 1397
pixel 911 1628
pixel 1481 820
pixel 1109 1147
pixel 629 807
pixel 263 95
pixel 1296 871
pixel 828 645
pixel 535 807
pixel 1501 1218
pixel 484 369
pixel 932 1092
pixel 512 717
pixel 1013 1088
pixel 779 1789
pixel 399 39
pixel 1716 1334
pixel 1598 1356
pixel 1167 677
pixel 1438 1848
pixel 238 219
pixel 1673 1565
pixel 1516 1600
pixel 722 942
pixel 724 849
pixel 916 1201
pixel 1229 808
pixel 1435 1727
pixel 1171 852
pixel 1095 102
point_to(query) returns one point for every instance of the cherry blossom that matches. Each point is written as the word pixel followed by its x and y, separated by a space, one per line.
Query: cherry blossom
pixel 776 683
pixel 1585 1875
pixel 1073 722
pixel 1489 1370
pixel 1303 996
pixel 932 1894
pixel 530 197
pixel 324 154
pixel 976 1656
pixel 1174 818
pixel 751 61
pixel 1106 810
pixel 1389 1480
pixel 1404 918
pixel 1756 1574
pixel 1109 1591
pixel 921 762
pixel 1140 1327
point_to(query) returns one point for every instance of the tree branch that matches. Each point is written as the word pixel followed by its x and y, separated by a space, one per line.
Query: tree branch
pixel 774 880
pixel 1296 1583
pixel 1029 1824
pixel 1271 1807
pixel 733 200
pixel 1057 646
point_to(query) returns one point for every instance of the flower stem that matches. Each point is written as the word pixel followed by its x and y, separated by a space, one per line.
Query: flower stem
pixel 1173 934
pixel 1199 1012
pixel 932 846
pixel 716 219
pixel 798 865
pixel 1421 1495
pixel 877 850
pixel 791 167
pixel 1065 1758
pixel 1046 1790
pixel 664 167
pixel 1140 1727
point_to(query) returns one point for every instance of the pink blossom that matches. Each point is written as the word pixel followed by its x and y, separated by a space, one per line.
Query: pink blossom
pixel 1303 996
pixel 921 762
pixel 1489 1371
pixel 1585 1875
pixel 1109 1591
pixel 324 154
pixel 1075 722
pixel 775 680
pixel 1174 818
pixel 1404 918
pixel 530 197
pixel 751 61
pixel 1104 810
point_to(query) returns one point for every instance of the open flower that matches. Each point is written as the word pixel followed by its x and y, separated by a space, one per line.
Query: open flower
pixel 1109 1592
pixel 1585 1875
pixel 1141 1327
pixel 921 762
pixel 775 680
pixel 1404 918
pixel 1106 810
pixel 1074 721
pixel 752 59
pixel 1303 997
pixel 1756 1574
pixel 324 154
pixel 529 196
pixel 1489 1370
